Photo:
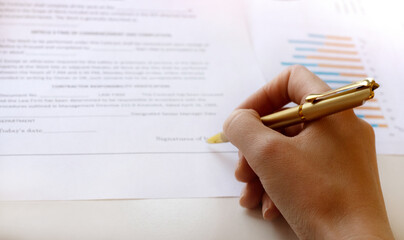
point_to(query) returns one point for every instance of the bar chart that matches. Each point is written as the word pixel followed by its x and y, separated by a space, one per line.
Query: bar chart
pixel 341 42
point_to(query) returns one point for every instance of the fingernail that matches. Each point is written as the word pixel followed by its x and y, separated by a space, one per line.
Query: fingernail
pixel 266 214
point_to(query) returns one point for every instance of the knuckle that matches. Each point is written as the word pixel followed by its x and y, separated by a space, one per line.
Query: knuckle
pixel 268 147
pixel 357 129
pixel 368 129
pixel 298 68
pixel 274 147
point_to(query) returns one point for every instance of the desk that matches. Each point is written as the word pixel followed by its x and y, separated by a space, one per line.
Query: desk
pixel 214 218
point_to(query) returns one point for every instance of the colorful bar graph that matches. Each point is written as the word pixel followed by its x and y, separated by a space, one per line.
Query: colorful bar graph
pixel 327 58
pixel 343 82
pixel 359 75
pixel 341 66
pixel 334 44
pixel 379 125
pixel 339 44
pixel 330 37
pixel 323 65
pixel 370 116
pixel 324 50
pixel 306 42
pixel 341 74
pixel 368 108
pixel 337 51
pixel 303 64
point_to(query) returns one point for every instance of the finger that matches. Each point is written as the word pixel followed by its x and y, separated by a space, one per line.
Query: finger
pixel 252 194
pixel 244 173
pixel 269 210
pixel 293 84
pixel 338 122
pixel 245 130
pixel 292 130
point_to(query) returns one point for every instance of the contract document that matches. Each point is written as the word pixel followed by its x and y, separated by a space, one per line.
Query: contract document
pixel 107 99
pixel 115 99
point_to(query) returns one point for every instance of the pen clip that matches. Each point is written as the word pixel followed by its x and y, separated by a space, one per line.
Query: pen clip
pixel 366 83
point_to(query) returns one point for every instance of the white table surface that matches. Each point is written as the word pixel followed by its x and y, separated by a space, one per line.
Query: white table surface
pixel 210 218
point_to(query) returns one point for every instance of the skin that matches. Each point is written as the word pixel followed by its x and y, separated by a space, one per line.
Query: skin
pixel 322 176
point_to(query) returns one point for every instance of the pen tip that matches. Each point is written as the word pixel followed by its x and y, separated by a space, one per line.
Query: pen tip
pixel 218 138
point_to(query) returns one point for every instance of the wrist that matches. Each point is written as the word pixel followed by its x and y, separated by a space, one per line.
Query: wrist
pixel 355 227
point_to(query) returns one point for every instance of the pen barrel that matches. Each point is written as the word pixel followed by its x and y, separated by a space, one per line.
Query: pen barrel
pixel 312 111
pixel 282 118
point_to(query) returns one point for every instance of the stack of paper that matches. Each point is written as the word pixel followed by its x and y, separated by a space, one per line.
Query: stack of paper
pixel 115 99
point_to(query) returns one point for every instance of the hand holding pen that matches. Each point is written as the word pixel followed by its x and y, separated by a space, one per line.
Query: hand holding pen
pixel 320 175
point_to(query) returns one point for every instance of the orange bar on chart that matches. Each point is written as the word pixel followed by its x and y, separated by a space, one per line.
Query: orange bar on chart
pixel 341 66
pixel 338 37
pixel 368 108
pixel 347 45
pixel 336 51
pixel 334 58
pixel 353 75
pixel 374 116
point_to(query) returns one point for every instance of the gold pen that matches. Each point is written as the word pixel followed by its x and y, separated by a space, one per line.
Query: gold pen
pixel 317 106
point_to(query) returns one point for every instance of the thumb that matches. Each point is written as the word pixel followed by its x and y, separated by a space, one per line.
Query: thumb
pixel 245 130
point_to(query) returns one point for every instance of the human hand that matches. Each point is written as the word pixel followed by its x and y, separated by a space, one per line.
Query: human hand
pixel 322 176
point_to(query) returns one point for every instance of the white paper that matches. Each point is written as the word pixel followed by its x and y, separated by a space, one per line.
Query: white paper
pixel 105 99
pixel 340 41
pixel 115 99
